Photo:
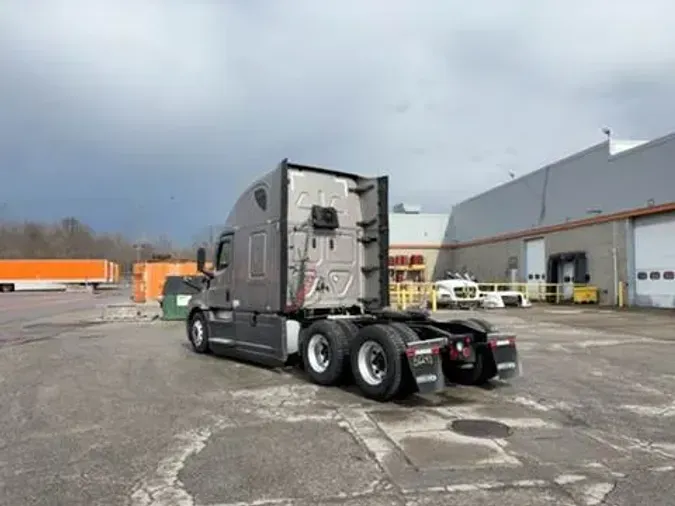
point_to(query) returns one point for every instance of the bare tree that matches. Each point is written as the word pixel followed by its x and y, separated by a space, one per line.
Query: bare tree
pixel 71 238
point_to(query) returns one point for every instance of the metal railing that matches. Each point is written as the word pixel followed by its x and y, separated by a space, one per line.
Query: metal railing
pixel 555 293
pixel 411 294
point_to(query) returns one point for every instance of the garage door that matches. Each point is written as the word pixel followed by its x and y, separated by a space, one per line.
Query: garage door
pixel 535 268
pixel 655 261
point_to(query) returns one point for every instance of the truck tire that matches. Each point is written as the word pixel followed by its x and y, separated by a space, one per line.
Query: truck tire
pixel 324 350
pixel 472 376
pixel 405 332
pixel 487 326
pixel 377 359
pixel 408 383
pixel 485 369
pixel 482 372
pixel 350 328
pixel 198 332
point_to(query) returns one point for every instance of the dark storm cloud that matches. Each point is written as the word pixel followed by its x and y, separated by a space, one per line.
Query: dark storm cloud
pixel 151 116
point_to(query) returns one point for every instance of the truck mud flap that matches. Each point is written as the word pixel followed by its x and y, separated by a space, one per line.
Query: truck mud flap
pixel 505 355
pixel 426 365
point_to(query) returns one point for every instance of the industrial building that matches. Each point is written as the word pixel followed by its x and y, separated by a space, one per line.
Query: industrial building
pixel 603 216
pixel 414 234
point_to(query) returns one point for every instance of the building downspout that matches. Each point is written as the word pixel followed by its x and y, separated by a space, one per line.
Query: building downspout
pixel 615 262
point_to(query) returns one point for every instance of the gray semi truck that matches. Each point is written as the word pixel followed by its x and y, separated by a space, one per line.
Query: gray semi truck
pixel 300 271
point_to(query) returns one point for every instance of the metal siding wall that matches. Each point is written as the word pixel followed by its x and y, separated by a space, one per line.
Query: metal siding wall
pixel 490 262
pixel 597 241
pixel 417 229
pixel 513 206
pixel 589 180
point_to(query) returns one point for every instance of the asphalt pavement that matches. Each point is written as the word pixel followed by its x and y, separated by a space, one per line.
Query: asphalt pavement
pixel 127 414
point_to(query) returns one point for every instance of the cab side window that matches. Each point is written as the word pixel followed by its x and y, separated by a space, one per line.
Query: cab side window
pixel 224 256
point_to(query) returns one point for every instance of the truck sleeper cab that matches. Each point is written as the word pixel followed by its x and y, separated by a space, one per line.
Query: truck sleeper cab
pixel 301 271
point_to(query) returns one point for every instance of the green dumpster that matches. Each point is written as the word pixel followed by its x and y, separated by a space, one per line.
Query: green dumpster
pixel 176 295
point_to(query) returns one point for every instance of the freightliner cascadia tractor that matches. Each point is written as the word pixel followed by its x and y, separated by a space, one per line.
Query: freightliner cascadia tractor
pixel 300 271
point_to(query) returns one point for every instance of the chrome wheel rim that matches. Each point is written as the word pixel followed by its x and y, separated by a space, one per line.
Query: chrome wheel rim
pixel 318 353
pixel 197 332
pixel 372 363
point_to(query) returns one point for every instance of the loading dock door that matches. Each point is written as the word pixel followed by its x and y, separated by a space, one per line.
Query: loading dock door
pixel 567 281
pixel 654 275
pixel 535 268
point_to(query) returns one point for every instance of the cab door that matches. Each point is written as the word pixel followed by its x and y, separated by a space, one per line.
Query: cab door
pixel 221 293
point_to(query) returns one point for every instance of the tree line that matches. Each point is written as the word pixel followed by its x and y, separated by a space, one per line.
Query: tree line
pixel 71 238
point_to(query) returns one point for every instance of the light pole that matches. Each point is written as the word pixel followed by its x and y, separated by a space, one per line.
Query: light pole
pixel 138 246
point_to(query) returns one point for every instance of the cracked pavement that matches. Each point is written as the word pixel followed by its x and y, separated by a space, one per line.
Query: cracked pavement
pixel 126 414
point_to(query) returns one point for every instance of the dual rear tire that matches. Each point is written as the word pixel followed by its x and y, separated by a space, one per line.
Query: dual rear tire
pixel 325 351
pixel 373 355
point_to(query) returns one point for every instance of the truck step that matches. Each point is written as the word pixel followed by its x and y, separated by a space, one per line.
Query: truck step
pixel 366 223
pixel 363 189
pixel 367 240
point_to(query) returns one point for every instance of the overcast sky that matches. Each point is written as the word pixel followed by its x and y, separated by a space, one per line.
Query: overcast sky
pixel 149 117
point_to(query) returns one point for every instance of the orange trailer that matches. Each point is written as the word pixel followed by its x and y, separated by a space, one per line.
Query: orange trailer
pixel 48 273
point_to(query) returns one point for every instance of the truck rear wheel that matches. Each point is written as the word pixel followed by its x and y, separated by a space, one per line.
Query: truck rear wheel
pixel 350 328
pixel 481 372
pixel 377 359
pixel 325 349
pixel 408 383
pixel 486 325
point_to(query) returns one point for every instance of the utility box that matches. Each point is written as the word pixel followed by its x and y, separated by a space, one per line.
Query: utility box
pixel 176 295
pixel 585 295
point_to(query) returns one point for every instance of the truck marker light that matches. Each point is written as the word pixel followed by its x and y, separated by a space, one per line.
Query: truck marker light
pixel 412 352
pixel 493 343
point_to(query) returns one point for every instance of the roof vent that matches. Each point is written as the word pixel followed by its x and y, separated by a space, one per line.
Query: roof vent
pixel 407 209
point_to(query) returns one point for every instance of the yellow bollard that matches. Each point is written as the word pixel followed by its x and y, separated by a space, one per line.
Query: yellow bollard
pixel 434 302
